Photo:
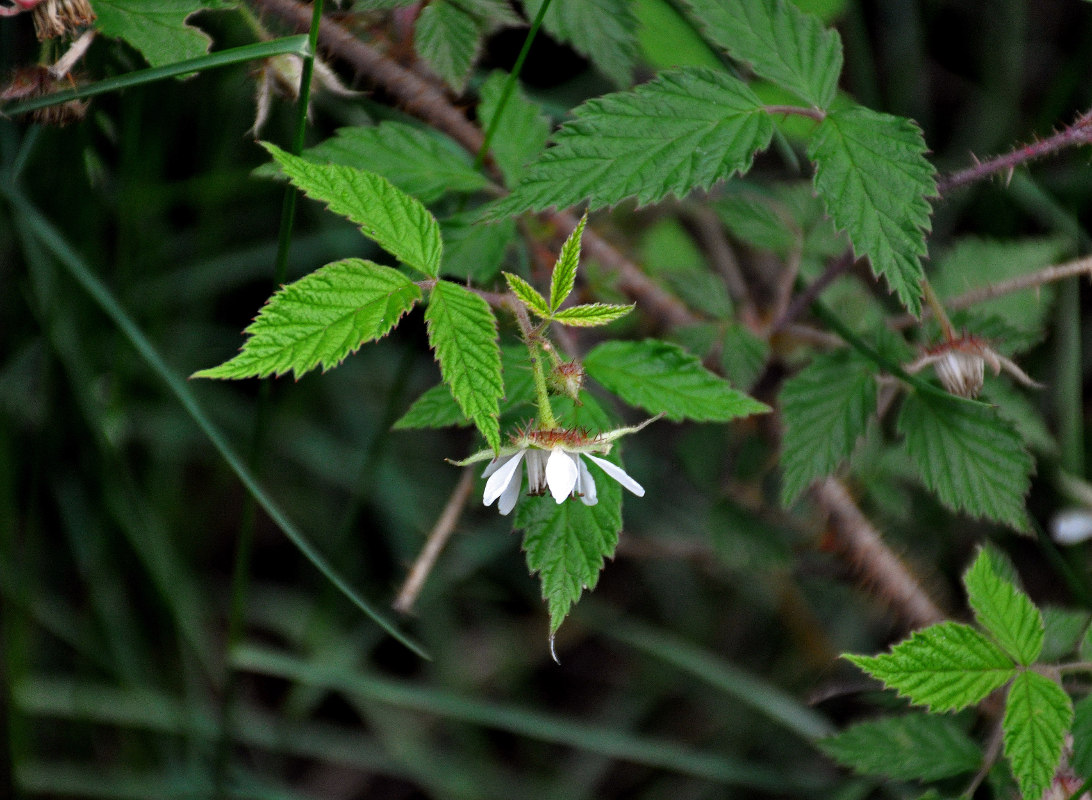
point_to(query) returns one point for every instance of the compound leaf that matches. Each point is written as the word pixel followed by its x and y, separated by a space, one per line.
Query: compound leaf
pixel 779 41
pixel 924 747
pixel 972 458
pixel 686 129
pixel 320 319
pixel 871 171
pixel 825 408
pixel 395 221
pixel 662 378
pixel 463 333
pixel 1003 609
pixel 1038 714
pixel 945 667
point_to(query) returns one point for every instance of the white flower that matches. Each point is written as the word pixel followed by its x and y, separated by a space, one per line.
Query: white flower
pixel 560 471
pixel 554 461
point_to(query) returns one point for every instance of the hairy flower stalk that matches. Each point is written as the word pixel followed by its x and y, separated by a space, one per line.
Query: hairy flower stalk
pixel 554 460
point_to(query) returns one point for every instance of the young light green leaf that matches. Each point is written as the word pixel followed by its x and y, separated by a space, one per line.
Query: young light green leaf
pixel 395 221
pixel 1004 610
pixel 419 162
pixel 522 131
pixel 779 41
pixel 591 314
pixel 1037 717
pixel 449 39
pixel 159 30
pixel 600 30
pixel 662 378
pixel 320 319
pixel 566 542
pixel 563 277
pixel 684 130
pixel 871 171
pixel 825 409
pixel 528 295
pixel 965 452
pixel 463 333
pixel 945 667
pixel 922 747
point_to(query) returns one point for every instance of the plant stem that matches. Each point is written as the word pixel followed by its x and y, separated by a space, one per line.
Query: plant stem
pixel 531 335
pixel 510 85
pixel 938 310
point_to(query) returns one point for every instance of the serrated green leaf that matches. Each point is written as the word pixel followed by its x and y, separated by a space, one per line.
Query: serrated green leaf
pixel 566 543
pixel 462 331
pixel 527 295
pixel 449 39
pixel 591 314
pixel 1081 760
pixel 473 251
pixel 491 14
pixel 601 30
pixel 1038 714
pixel 395 221
pixel 662 378
pixel 419 162
pixel 159 30
pixel 743 355
pixel 320 319
pixel 1003 610
pixel 563 278
pixel 684 130
pixel 1064 628
pixel 780 42
pixel 965 452
pixel 922 747
pixel 871 171
pixel 520 135
pixel 945 667
pixel 825 408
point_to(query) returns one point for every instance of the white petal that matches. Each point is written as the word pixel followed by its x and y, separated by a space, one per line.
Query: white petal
pixel 618 474
pixel 561 474
pixel 1071 526
pixel 501 477
pixel 511 494
pixel 536 472
pixel 585 486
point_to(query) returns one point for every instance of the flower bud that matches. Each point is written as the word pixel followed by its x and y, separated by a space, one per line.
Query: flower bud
pixel 568 378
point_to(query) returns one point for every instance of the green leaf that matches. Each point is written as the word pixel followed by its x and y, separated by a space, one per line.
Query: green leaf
pixel 591 314
pixel 1064 628
pixel 871 171
pixel 825 410
pixel 527 295
pixel 922 747
pixel 779 41
pixel 743 355
pixel 521 134
pixel 662 378
pixel 1037 716
pixel 563 277
pixel 463 333
pixel 1082 738
pixel 320 319
pixel 601 30
pixel 566 543
pixel 395 221
pixel 945 667
pixel 472 251
pixel 449 39
pixel 159 30
pixel 965 452
pixel 419 162
pixel 684 130
pixel 1003 610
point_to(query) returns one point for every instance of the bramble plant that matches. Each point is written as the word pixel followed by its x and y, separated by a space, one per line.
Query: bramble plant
pixel 712 252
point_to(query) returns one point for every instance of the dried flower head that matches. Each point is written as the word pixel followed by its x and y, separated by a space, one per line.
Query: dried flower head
pixel 961 365
pixel 54 18
pixel 30 82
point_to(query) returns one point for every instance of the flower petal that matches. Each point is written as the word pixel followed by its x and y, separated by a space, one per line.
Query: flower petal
pixel 501 477
pixel 561 474
pixel 585 485
pixel 510 495
pixel 618 474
